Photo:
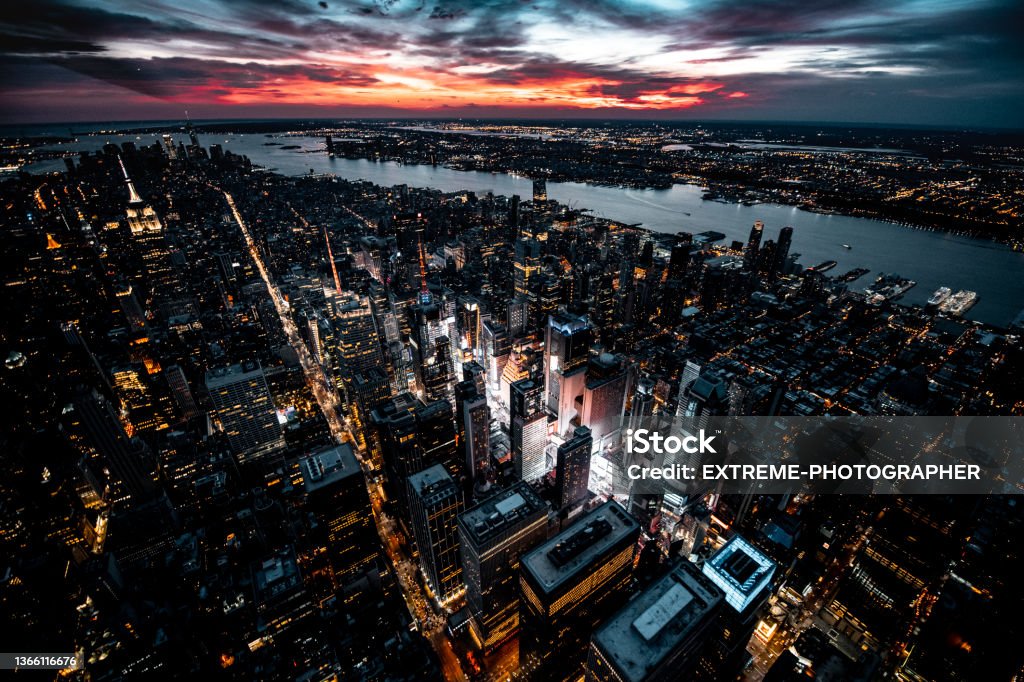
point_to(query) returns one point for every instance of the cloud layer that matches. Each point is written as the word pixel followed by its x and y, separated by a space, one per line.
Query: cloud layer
pixel 954 62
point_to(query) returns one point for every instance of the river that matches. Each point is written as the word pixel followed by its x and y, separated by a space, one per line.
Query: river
pixel 930 258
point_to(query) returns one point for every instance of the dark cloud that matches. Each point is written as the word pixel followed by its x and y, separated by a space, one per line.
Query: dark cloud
pixel 168 78
pixel 860 51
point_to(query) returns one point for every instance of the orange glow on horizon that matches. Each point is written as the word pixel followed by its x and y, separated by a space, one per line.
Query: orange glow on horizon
pixel 425 89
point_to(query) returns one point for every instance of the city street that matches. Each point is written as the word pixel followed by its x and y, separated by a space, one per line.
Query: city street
pixel 430 624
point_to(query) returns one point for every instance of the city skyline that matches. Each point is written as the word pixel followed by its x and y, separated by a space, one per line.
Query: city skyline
pixel 522 341
pixel 920 63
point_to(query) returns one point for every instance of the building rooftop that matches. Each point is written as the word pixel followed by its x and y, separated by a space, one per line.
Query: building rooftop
pixel 657 622
pixel 564 555
pixel 568 323
pixel 431 483
pixel 231 374
pixel 741 571
pixel 495 515
pixel 275 576
pixel 323 468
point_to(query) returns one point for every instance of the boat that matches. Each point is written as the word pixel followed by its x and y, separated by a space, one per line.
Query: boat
pixel 940 295
pixel 824 267
pixel 847 247
pixel 888 288
pixel 959 303
pixel 856 273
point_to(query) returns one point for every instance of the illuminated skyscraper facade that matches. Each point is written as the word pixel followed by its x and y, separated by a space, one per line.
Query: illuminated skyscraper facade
pixel 245 410
pixel 570 584
pixel 494 535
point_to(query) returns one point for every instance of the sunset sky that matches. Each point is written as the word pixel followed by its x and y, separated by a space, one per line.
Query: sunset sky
pixel 923 62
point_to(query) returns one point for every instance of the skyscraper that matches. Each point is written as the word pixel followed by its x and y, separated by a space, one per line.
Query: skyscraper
pixel 439 373
pixel 572 468
pixel 691 372
pixel 119 468
pixel 368 391
pixel 679 259
pixel 493 536
pixel 346 537
pixel 435 429
pixel 528 429
pixel 475 428
pixel 358 339
pixel 782 249
pixel 705 397
pixel 526 266
pixel 148 240
pixel 180 391
pixel 497 347
pixel 753 245
pixel 642 405
pixel 396 435
pixel 660 635
pixel 518 316
pixel 604 398
pixel 572 582
pixel 435 501
pixel 744 573
pixel 566 349
pixel 245 410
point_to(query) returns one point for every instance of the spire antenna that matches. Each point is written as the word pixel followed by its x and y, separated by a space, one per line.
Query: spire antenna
pixel 133 195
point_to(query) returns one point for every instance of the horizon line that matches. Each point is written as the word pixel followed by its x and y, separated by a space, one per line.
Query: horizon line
pixel 938 127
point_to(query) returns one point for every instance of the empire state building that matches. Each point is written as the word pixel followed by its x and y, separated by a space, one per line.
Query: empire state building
pixel 148 238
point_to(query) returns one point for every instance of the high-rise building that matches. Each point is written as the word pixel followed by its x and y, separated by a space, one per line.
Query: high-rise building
pixel 180 391
pixel 642 405
pixel 368 391
pixel 526 266
pixel 566 349
pixel 493 536
pixel 744 573
pixel 469 325
pixel 435 429
pixel 691 372
pixel 439 372
pixel 142 219
pixel 514 212
pixel 119 468
pixel 753 245
pixel 245 410
pixel 705 397
pixel 148 240
pixel 346 540
pixel 528 429
pixel 395 434
pixel 474 428
pixel 782 249
pixel 518 316
pixel 477 373
pixel 358 339
pixel 570 584
pixel 435 501
pixel 497 347
pixel 604 398
pixel 143 410
pixel 661 634
pixel 572 468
